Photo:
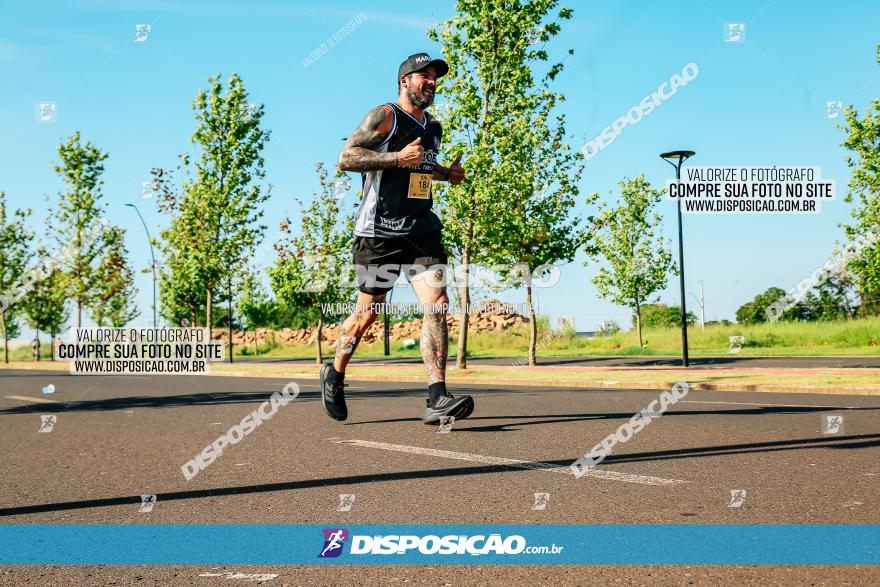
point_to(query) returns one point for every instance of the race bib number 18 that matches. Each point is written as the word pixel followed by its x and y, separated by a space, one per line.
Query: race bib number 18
pixel 419 186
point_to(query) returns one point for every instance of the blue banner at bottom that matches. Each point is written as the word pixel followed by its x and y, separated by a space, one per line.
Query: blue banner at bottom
pixel 624 544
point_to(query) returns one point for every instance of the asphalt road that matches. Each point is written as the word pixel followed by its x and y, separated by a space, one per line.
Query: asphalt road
pixel 725 362
pixel 116 438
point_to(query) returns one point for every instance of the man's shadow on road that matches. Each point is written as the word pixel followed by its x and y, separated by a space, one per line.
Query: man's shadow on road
pixel 516 422
pixel 203 398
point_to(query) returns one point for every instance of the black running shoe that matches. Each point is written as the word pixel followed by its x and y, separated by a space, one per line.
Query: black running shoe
pixel 448 405
pixel 333 393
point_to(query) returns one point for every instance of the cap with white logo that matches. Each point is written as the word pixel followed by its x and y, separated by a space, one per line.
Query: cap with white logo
pixel 420 61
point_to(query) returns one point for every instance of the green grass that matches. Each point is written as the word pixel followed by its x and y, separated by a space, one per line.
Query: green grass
pixel 857 337
pixel 23 353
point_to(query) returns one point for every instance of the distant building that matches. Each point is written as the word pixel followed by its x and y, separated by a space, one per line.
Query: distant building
pixel 608 327
pixel 566 323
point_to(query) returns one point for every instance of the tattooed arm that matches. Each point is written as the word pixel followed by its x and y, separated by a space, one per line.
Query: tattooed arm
pixel 358 154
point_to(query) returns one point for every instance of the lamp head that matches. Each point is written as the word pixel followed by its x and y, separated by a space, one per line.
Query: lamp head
pixel 670 156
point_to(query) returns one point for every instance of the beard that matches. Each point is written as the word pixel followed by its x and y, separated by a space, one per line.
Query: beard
pixel 418 99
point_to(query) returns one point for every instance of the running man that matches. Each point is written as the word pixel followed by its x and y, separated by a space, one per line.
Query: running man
pixel 395 149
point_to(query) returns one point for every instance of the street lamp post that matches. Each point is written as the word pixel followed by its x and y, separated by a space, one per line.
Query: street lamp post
pixel 702 302
pixel 702 308
pixel 676 158
pixel 153 257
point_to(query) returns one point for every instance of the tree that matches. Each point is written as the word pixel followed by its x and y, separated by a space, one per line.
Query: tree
pixel 494 98
pixel 231 283
pixel 663 316
pixel 534 229
pixel 78 212
pixel 309 270
pixel 832 299
pixel 114 302
pixel 294 316
pixel 627 238
pixel 255 305
pixel 181 290
pixel 755 312
pixel 213 228
pixel 863 139
pixel 46 305
pixel 15 253
pixel 11 329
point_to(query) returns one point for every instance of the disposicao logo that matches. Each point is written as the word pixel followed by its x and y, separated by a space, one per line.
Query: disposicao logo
pixel 334 539
pixel 478 545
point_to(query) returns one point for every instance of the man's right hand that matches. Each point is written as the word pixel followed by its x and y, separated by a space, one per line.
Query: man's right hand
pixel 411 155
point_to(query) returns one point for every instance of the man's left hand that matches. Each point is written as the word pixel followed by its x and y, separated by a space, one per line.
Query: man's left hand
pixel 456 172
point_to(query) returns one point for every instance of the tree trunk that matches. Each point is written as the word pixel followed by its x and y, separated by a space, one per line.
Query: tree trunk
pixel 465 295
pixel 5 337
pixel 230 320
pixel 319 358
pixel 52 340
pixel 639 322
pixel 39 350
pixel 78 279
pixel 79 274
pixel 209 304
pixel 533 328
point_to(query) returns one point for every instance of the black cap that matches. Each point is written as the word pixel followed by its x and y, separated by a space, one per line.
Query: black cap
pixel 420 61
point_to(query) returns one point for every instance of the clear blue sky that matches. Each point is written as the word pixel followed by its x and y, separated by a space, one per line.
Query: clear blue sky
pixel 756 103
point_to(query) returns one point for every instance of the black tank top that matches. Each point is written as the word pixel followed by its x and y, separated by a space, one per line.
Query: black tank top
pixel 397 201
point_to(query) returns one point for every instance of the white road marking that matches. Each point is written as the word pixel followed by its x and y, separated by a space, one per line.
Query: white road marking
pixel 688 401
pixel 488 460
pixel 36 400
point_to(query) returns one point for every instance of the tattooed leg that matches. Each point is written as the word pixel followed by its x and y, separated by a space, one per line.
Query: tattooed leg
pixel 435 345
pixel 435 337
pixel 354 327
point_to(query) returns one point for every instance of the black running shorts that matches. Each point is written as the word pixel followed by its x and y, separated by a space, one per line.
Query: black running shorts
pixel 379 261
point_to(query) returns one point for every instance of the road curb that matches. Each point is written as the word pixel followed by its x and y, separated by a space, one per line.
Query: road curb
pixel 694 386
